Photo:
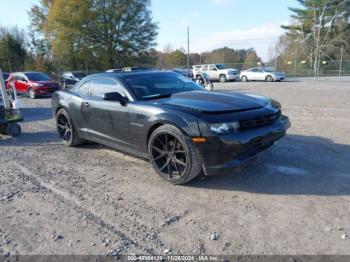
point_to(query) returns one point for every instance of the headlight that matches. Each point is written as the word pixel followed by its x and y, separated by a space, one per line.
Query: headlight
pixel 37 84
pixel 225 128
pixel 275 103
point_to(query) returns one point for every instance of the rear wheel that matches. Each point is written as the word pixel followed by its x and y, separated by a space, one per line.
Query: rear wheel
pixel 209 86
pixel 244 79
pixel 269 79
pixel 66 130
pixel 173 155
pixel 31 93
pixel 222 78
pixel 13 129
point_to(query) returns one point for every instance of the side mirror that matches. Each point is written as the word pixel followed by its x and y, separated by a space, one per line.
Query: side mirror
pixel 115 96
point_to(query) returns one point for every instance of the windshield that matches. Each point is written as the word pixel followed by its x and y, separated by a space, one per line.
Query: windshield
pixel 157 85
pixel 221 66
pixel 37 76
pixel 79 75
pixel 269 70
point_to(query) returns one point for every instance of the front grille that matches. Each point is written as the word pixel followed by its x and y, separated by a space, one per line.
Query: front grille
pixel 259 121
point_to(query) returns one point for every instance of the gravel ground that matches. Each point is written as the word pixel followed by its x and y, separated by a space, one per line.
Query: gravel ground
pixel 94 200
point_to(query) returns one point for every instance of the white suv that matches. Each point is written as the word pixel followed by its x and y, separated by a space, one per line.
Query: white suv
pixel 216 72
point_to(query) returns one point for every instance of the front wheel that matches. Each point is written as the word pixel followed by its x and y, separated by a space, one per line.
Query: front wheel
pixel 31 93
pixel 222 78
pixel 269 79
pixel 66 130
pixel 173 155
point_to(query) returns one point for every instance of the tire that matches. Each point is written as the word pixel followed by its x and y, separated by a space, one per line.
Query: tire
pixel 66 130
pixel 244 79
pixel 269 79
pixel 173 155
pixel 31 93
pixel 222 78
pixel 209 86
pixel 13 129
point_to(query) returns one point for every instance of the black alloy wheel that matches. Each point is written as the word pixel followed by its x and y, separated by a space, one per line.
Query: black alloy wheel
pixel 65 129
pixel 173 156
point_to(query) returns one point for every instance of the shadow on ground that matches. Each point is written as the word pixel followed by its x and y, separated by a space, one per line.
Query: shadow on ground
pixel 31 139
pixel 36 113
pixel 298 165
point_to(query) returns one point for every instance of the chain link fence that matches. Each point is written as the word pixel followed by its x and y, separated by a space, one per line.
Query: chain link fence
pixel 301 68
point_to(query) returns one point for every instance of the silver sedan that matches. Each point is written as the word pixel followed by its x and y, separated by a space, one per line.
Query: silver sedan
pixel 261 74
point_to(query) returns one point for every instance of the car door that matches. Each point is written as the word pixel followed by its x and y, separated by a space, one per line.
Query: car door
pixel 106 121
pixel 253 74
pixel 21 83
pixel 260 74
pixel 213 73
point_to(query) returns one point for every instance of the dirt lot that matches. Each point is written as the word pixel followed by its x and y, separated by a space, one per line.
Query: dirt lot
pixel 95 200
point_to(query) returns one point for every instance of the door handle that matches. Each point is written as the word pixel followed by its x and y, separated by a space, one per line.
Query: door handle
pixel 85 104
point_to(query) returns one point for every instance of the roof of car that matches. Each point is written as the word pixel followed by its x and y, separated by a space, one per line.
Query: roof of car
pixel 124 73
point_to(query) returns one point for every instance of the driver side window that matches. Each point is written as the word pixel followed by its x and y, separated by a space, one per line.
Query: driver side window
pixel 99 87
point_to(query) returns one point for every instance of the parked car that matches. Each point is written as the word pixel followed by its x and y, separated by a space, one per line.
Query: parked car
pixel 5 76
pixel 183 71
pixel 261 74
pixel 217 72
pixel 127 69
pixel 115 70
pixel 69 79
pixel 33 83
pixel 170 120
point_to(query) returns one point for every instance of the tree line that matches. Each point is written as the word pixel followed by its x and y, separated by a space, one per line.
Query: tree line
pixel 96 35
pixel 319 32
pixel 101 34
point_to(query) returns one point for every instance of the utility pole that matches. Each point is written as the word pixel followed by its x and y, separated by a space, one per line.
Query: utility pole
pixel 295 68
pixel 188 50
pixel 341 61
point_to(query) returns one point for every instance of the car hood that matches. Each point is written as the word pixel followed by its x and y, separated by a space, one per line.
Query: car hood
pixel 228 70
pixel 214 102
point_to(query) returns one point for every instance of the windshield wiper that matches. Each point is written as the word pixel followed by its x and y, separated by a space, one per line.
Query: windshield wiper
pixel 157 96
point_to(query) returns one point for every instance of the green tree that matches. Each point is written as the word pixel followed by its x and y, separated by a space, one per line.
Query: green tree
pixel 98 33
pixel 176 58
pixel 320 27
pixel 13 52
pixel 251 60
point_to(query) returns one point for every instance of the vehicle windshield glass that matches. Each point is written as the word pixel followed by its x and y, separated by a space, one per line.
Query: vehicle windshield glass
pixel 157 85
pixel 221 66
pixel 78 74
pixel 269 70
pixel 37 76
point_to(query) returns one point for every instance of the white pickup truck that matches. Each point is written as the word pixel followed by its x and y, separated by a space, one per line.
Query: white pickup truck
pixel 217 72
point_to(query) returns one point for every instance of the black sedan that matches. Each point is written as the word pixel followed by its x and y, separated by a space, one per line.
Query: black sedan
pixel 69 79
pixel 170 120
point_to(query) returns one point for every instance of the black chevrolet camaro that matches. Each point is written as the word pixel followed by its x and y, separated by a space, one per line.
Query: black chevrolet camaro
pixel 170 120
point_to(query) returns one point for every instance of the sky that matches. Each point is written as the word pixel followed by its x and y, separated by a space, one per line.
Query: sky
pixel 213 23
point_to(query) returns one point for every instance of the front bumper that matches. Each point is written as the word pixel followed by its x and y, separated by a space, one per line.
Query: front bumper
pixel 221 154
pixel 233 77
pixel 44 91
